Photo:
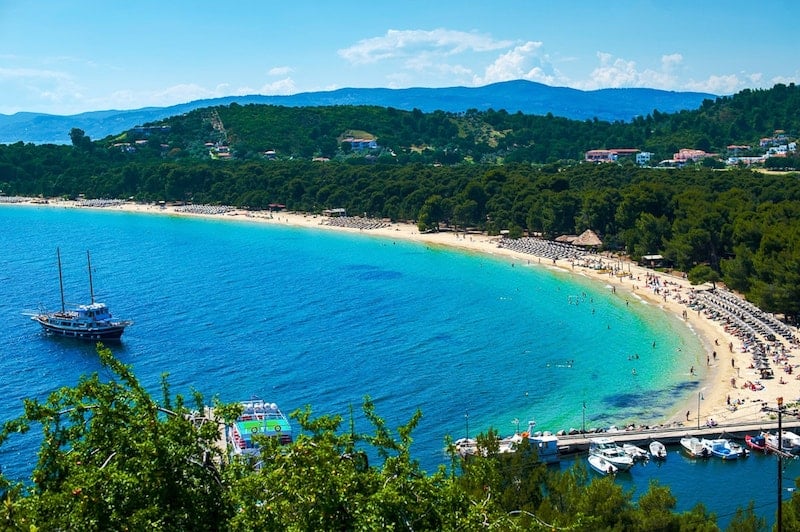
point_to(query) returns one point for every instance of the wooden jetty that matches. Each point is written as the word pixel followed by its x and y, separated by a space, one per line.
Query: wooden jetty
pixel 577 443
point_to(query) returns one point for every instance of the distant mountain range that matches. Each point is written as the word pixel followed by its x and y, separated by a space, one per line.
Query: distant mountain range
pixel 513 96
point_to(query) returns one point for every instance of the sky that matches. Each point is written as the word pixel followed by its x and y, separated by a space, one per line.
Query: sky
pixel 67 57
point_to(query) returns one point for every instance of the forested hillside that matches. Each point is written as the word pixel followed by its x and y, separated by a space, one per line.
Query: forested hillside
pixel 488 170
pixel 489 136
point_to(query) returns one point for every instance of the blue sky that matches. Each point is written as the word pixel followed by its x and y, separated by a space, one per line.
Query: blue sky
pixel 66 57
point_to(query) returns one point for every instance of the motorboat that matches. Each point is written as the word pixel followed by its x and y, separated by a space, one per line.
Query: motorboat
pixel 721 448
pixel 658 450
pixel 601 465
pixel 546 445
pixel 86 322
pixel 608 449
pixel 258 418
pixel 694 447
pixel 635 452
pixel 758 442
pixel 789 442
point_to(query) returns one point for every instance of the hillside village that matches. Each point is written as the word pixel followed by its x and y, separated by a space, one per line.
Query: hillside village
pixel 778 145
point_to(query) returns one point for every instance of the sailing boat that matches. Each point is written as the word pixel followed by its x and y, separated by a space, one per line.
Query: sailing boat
pixel 87 322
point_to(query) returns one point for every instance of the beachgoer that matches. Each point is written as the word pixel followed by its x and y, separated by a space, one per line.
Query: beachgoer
pixel 687 415
pixel 691 370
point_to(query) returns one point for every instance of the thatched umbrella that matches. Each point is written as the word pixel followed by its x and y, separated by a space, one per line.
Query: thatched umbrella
pixel 588 239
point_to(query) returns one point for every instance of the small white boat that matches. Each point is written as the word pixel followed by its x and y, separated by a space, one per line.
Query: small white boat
pixel 694 447
pixel 790 442
pixel 657 450
pixel 637 453
pixel 611 452
pixel 601 465
pixel 546 445
pixel 721 448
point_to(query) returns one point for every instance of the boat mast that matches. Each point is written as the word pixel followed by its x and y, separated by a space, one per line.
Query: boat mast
pixel 60 278
pixel 91 287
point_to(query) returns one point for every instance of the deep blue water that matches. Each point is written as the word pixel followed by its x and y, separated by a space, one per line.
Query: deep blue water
pixel 234 308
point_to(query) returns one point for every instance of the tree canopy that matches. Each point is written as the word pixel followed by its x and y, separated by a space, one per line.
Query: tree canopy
pixel 114 458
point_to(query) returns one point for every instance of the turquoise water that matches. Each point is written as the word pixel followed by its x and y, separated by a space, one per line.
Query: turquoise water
pixel 234 308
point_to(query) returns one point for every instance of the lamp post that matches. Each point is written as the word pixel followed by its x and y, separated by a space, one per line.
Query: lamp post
pixel 466 420
pixel 699 398
pixel 583 419
pixel 515 421
pixel 780 466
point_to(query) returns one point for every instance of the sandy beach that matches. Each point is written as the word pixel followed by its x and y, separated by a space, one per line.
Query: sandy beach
pixel 730 389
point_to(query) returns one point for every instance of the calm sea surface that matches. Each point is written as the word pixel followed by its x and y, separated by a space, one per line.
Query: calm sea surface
pixel 234 309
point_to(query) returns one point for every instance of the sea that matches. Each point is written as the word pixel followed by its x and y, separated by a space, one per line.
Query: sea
pixel 235 309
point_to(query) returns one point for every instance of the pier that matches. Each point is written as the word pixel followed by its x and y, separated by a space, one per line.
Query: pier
pixel 577 443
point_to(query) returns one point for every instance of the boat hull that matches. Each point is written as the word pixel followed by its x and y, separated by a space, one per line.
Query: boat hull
pixel 601 465
pixel 658 451
pixel 112 332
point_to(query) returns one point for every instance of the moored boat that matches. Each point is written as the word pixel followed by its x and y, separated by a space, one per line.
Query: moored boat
pixel 601 465
pixel 635 452
pixel 86 322
pixel 609 450
pixel 694 447
pixel 758 442
pixel 789 442
pixel 546 445
pixel 657 450
pixel 258 418
pixel 721 448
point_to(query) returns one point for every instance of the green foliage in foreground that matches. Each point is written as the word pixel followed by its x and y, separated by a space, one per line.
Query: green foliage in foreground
pixel 113 458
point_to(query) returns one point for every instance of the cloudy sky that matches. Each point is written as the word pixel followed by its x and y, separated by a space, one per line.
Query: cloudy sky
pixel 66 57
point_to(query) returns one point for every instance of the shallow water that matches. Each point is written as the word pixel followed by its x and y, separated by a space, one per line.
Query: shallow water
pixel 235 308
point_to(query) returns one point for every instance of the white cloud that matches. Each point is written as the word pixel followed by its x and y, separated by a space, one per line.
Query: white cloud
pixel 524 61
pixel 280 71
pixel 280 87
pixel 728 84
pixel 405 43
pixel 669 62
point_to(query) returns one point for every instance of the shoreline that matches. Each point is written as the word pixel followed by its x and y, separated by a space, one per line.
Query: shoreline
pixel 721 395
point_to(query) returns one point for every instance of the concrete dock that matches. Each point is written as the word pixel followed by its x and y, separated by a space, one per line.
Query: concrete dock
pixel 576 443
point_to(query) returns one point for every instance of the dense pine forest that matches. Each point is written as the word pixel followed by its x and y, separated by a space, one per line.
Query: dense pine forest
pixel 489 171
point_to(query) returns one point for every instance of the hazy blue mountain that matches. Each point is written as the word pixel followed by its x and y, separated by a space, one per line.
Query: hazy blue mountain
pixel 513 96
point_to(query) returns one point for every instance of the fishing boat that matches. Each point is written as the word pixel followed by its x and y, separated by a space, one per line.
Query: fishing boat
pixel 635 452
pixel 789 443
pixel 546 445
pixel 657 450
pixel 758 442
pixel 608 449
pixel 258 418
pixel 86 322
pixel 721 448
pixel 694 447
pixel 601 465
